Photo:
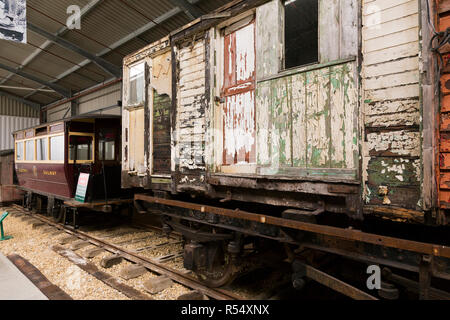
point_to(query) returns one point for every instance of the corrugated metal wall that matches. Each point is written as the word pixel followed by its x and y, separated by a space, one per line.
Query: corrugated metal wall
pixel 14 115
pixel 11 107
pixel 102 99
pixel 59 112
pixel 98 100
pixel 10 124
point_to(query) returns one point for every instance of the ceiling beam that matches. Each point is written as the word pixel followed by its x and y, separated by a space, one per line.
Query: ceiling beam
pixel 189 9
pixel 24 88
pixel 131 36
pixel 102 63
pixel 84 11
pixel 161 19
pixel 32 104
pixel 57 88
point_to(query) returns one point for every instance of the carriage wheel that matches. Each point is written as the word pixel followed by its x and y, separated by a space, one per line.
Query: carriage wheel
pixel 221 272
pixel 58 214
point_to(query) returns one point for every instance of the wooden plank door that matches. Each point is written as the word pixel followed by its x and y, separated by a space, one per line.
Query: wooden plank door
pixel 161 102
pixel 239 126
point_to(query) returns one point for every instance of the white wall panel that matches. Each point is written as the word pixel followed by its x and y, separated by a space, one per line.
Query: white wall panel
pixel 10 124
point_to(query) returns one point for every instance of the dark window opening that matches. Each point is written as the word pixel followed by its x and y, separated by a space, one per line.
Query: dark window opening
pixel 107 146
pixel 41 131
pixel 301 32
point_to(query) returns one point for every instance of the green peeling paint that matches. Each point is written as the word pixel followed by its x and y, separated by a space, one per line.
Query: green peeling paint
pixel 322 97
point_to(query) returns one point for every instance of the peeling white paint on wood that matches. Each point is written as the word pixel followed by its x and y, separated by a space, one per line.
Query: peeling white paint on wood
pixel 189 137
pixel 311 120
pixel 268 39
pixel 392 113
pixel 245 53
pixel 389 9
pixel 161 74
pixel 391 40
pixel 392 80
pixel 391 91
pixel 239 128
pixel 393 67
pixel 394 26
pixel 239 123
pixel 299 119
pixel 400 143
pixel 338 31
pixel 263 134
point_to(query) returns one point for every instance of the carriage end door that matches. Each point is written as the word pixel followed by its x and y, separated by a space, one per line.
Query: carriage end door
pixel 238 93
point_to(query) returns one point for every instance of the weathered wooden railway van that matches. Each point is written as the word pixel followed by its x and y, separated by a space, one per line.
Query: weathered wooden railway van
pixel 298 112
pixel 309 104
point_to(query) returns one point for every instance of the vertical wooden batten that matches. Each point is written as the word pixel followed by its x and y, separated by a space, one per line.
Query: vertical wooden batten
pixel 430 109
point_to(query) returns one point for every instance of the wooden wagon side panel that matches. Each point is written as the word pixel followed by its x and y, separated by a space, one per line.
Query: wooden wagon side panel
pixel 191 104
pixel 308 125
pixel 392 155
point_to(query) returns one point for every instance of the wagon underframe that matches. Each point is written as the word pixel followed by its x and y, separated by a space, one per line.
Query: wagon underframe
pixel 428 260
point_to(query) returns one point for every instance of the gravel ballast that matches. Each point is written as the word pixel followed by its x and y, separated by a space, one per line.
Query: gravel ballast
pixel 35 246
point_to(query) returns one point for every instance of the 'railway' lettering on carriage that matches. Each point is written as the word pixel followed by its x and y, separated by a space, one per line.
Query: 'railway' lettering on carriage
pixel 49 173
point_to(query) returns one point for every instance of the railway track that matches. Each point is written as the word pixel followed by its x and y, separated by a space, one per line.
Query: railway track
pixel 101 248
pixel 127 251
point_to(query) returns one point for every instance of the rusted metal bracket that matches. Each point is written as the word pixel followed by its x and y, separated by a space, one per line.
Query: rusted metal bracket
pixel 140 209
pixel 198 235
pixel 413 286
pixel 425 274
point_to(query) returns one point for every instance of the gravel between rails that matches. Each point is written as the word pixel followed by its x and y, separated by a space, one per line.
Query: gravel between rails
pixel 171 293
pixel 34 246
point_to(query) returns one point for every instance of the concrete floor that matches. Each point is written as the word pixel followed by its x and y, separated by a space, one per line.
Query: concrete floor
pixel 14 285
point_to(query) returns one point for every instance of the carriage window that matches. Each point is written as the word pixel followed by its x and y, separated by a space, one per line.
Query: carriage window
pixel 57 148
pixel 42 149
pixel 29 150
pixel 19 151
pixel 80 148
pixel 136 87
pixel 301 32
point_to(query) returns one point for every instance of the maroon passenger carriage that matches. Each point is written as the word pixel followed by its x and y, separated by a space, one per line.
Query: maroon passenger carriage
pixel 50 158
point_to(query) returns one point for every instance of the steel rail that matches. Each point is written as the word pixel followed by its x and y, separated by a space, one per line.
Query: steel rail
pixel 188 281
